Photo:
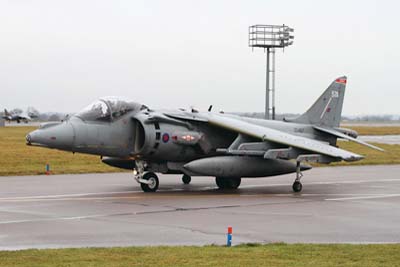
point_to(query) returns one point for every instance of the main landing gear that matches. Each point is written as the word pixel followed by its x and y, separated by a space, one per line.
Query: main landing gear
pixel 297 186
pixel 227 183
pixel 186 179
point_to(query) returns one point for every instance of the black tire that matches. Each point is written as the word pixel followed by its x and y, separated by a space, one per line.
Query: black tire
pixel 297 187
pixel 234 183
pixel 220 182
pixel 151 176
pixel 227 183
pixel 186 179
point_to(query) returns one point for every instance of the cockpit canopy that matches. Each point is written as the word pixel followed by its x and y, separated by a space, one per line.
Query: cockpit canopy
pixel 108 108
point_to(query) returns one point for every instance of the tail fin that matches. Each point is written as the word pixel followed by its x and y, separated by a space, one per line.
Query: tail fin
pixel 327 110
pixel 6 113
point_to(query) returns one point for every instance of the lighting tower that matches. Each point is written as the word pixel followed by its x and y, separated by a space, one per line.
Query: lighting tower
pixel 270 37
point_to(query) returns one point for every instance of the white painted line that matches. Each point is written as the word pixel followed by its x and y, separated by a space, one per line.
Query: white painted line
pixel 56 219
pixel 80 195
pixel 333 182
pixel 69 195
pixel 366 197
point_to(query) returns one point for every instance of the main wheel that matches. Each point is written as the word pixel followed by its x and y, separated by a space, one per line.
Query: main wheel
pixel 234 183
pixel 297 186
pixel 227 183
pixel 152 186
pixel 186 179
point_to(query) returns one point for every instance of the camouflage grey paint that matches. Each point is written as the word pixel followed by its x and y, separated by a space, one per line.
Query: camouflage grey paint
pixel 327 110
pixel 183 142
pixel 234 166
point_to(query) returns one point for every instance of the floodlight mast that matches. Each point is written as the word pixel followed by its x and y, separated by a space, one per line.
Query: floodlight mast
pixel 270 37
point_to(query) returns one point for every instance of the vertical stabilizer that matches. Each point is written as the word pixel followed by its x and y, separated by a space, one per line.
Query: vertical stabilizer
pixel 327 110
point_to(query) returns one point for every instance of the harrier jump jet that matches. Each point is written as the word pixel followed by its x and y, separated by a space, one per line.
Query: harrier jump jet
pixel 132 136
pixel 25 117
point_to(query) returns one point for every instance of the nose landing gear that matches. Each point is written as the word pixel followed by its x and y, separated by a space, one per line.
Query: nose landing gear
pixel 148 180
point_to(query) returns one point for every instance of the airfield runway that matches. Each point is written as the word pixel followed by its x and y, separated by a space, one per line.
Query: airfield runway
pixel 338 204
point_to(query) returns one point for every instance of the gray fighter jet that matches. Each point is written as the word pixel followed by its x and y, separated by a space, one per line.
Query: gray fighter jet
pixel 132 136
pixel 25 117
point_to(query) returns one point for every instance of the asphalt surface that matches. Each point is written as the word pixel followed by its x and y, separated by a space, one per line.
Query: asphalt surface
pixel 340 204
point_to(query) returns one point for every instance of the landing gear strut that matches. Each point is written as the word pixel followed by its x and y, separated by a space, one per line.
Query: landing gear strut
pixel 148 181
pixel 227 183
pixel 186 179
pixel 297 186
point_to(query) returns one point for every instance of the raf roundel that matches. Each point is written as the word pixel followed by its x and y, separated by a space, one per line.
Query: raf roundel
pixel 165 138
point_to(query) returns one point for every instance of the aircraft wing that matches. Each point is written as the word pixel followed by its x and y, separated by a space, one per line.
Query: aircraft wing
pixel 344 136
pixel 183 115
pixel 272 135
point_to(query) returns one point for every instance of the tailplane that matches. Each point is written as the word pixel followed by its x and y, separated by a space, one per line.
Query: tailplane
pixel 327 110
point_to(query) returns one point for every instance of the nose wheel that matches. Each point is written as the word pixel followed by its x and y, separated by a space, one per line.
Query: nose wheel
pixel 150 183
pixel 148 180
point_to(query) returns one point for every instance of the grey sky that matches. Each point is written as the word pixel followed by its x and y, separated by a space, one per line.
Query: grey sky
pixel 62 55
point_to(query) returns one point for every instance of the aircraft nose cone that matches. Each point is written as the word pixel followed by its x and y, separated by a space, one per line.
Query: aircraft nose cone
pixel 28 139
pixel 60 135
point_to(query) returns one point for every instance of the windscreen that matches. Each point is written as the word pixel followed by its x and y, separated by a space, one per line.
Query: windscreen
pixel 109 108
pixel 97 111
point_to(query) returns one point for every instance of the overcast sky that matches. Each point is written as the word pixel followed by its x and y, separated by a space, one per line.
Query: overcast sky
pixel 62 55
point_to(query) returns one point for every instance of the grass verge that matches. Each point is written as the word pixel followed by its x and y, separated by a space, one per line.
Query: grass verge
pixel 16 158
pixel 244 255
pixel 375 130
pixel 391 155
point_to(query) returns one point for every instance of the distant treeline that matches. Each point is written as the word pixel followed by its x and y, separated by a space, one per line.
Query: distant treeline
pixel 359 118
pixel 59 116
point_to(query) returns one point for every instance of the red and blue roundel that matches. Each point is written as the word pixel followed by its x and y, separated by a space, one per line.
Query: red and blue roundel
pixel 165 138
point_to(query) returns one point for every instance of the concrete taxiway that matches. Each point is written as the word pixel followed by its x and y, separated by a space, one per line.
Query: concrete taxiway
pixel 338 204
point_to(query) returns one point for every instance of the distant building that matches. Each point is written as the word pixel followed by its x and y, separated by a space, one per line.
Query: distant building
pixel 2 122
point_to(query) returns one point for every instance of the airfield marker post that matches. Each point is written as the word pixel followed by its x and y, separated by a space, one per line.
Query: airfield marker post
pixel 47 168
pixel 229 237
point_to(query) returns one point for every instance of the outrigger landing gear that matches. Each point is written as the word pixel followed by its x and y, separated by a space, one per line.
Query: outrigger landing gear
pixel 186 179
pixel 148 181
pixel 297 186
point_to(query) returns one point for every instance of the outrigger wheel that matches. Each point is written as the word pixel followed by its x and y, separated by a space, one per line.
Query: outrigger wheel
pixel 297 186
pixel 152 182
pixel 186 179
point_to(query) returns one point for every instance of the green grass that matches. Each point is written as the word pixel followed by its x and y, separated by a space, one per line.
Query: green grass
pixel 16 158
pixel 244 255
pixel 376 130
pixel 391 155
